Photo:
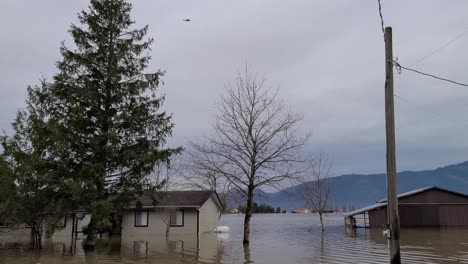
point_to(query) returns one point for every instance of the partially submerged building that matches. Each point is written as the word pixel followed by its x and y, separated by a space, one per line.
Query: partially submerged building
pixel 426 207
pixel 177 213
pixel 70 226
pixel 188 213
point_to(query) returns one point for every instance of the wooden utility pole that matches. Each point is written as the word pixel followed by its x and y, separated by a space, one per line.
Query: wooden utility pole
pixel 392 201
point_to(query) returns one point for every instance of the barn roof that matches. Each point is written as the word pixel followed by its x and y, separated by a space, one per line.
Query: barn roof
pixel 178 199
pixel 365 209
pixel 413 192
pixel 383 202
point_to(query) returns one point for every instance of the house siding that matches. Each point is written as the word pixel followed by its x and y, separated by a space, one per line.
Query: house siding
pixel 17 234
pixel 209 216
pixel 67 230
pixel 157 219
pixel 22 234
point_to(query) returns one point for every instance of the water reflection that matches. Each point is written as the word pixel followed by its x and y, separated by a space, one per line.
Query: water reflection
pixel 247 258
pixel 202 249
pixel 275 239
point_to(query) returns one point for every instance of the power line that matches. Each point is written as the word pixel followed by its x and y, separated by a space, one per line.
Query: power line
pixel 398 66
pixel 439 49
pixel 381 19
pixel 426 110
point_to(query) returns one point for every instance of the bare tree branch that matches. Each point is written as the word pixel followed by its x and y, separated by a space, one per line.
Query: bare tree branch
pixel 254 142
pixel 314 189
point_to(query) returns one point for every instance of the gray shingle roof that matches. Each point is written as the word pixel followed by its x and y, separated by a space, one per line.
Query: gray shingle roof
pixel 177 199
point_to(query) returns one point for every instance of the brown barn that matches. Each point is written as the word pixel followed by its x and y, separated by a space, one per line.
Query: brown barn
pixel 426 207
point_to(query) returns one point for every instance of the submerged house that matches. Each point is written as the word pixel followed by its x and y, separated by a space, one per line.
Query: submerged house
pixel 177 213
pixel 426 207
pixel 70 226
pixel 188 213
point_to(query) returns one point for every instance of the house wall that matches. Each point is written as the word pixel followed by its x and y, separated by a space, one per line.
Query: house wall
pixel 209 216
pixel 16 234
pixel 22 234
pixel 67 230
pixel 157 219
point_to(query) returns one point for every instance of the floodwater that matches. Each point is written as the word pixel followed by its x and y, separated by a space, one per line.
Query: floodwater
pixel 276 238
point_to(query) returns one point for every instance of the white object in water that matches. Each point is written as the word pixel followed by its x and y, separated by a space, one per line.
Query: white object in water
pixel 223 236
pixel 386 233
pixel 222 229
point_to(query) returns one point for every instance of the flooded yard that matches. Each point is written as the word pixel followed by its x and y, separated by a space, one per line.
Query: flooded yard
pixel 276 238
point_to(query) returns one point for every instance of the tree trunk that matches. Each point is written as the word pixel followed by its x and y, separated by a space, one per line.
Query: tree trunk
pixel 248 215
pixel 321 221
pixel 91 237
pixel 247 257
pixel 36 237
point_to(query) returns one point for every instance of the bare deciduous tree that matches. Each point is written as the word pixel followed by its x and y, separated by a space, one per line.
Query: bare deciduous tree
pixel 255 140
pixel 167 173
pixel 315 190
pixel 198 174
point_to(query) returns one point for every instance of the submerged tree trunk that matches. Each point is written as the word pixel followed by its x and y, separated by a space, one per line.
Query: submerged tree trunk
pixel 248 215
pixel 91 236
pixel 321 221
pixel 247 257
pixel 36 236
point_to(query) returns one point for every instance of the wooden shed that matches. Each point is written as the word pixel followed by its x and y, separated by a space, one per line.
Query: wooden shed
pixel 426 207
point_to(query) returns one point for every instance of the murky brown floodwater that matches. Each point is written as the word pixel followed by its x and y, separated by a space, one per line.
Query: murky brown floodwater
pixel 285 238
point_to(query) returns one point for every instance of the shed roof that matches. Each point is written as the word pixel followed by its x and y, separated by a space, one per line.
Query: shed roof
pixel 178 199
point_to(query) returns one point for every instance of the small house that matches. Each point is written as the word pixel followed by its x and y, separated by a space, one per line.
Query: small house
pixel 426 207
pixel 301 211
pixel 177 213
pixel 70 226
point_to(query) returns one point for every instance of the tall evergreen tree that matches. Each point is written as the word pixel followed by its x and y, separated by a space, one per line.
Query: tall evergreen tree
pixel 103 124
pixel 33 189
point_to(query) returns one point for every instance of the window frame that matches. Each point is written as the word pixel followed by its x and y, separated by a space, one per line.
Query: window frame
pixel 147 218
pixel 183 218
pixel 6 224
pixel 64 224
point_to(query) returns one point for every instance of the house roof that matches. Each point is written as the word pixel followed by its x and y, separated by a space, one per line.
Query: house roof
pixel 383 202
pixel 178 199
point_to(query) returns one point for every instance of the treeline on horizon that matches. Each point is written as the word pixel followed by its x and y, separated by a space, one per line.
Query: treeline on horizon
pixel 261 209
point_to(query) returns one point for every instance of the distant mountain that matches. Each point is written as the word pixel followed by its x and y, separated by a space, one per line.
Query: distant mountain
pixel 360 189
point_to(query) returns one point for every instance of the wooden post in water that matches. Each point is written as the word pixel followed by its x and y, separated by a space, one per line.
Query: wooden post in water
pixel 392 200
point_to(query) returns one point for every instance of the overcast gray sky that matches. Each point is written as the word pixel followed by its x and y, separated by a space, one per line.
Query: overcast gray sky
pixel 327 57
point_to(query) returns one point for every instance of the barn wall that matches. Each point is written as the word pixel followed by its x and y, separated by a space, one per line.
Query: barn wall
pixel 434 196
pixel 378 217
pixel 441 215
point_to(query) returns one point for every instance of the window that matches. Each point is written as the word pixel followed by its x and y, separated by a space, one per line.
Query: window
pixel 83 221
pixel 177 218
pixel 4 223
pixel 141 218
pixel 62 223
